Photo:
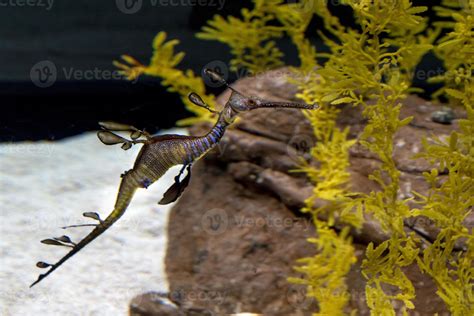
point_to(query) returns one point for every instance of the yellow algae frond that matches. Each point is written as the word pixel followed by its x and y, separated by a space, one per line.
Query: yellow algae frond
pixel 163 65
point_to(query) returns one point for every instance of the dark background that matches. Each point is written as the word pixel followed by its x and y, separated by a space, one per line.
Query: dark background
pixel 89 34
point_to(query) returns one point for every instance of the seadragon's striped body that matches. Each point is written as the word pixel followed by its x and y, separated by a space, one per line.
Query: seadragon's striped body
pixel 158 154
pixel 164 152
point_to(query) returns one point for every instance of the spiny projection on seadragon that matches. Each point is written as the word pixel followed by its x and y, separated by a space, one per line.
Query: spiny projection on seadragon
pixel 157 155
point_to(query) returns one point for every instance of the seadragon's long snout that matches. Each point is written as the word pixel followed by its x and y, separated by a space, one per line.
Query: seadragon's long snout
pixel 293 105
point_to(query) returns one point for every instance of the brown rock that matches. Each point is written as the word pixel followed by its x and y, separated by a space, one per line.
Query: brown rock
pixel 236 232
pixel 152 304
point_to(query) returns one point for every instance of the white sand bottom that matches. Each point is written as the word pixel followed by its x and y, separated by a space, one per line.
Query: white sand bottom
pixel 46 185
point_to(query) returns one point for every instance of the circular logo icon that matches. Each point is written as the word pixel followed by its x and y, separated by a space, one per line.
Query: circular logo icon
pixel 43 74
pixel 215 221
pixel 220 68
pixel 177 295
pixel 300 146
pixel 296 297
pixel 129 6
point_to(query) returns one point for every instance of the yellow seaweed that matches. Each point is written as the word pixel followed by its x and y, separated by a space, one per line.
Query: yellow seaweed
pixel 370 67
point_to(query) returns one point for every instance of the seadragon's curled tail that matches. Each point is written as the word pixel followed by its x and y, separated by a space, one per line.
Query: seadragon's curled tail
pixel 157 155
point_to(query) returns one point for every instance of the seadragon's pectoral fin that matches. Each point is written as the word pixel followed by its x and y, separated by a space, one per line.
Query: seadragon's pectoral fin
pixel 175 191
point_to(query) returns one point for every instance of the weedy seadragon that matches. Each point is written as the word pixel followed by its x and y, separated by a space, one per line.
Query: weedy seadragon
pixel 157 155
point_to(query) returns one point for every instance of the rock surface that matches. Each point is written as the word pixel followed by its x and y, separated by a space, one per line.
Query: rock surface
pixel 236 233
